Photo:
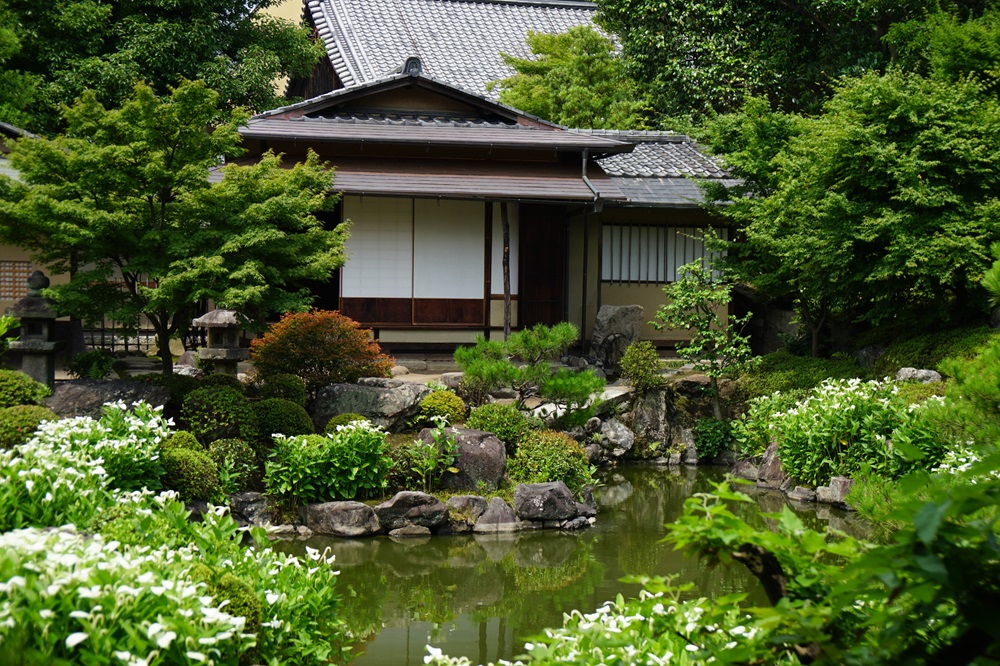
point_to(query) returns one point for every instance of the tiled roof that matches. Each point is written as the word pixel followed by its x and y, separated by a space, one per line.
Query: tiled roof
pixel 458 41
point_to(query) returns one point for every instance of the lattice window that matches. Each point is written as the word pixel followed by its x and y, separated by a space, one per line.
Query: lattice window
pixel 13 279
pixel 646 253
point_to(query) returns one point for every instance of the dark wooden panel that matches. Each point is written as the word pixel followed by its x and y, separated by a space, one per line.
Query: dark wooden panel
pixel 430 311
pixel 451 311
pixel 395 310
pixel 377 311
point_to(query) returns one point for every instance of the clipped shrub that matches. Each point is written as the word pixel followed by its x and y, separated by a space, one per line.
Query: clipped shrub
pixel 507 422
pixel 928 350
pixel 322 347
pixel 17 388
pixel 342 420
pixel 91 364
pixel 222 379
pixel 317 468
pixel 442 404
pixel 548 455
pixel 218 412
pixel 183 439
pixel 237 464
pixel 223 586
pixel 191 473
pixel 711 437
pixel 283 385
pixel 18 423
pixel 786 372
pixel 640 367
pixel 280 416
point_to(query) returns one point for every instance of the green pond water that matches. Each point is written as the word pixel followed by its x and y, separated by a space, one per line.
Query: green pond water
pixel 484 596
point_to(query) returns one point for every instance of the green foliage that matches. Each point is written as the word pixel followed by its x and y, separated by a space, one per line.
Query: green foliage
pixel 785 372
pixel 18 423
pixel 548 455
pixel 277 415
pixel 930 349
pixel 183 439
pixel 697 302
pixel 219 413
pixel 92 364
pixel 576 79
pixel 17 388
pixel 142 230
pixel 191 473
pixel 178 385
pixel 222 379
pixel 751 431
pixel 7 322
pixel 237 594
pixel 342 420
pixel 109 47
pixel 711 437
pixel 521 362
pixel 442 404
pixel 283 385
pixel 429 460
pixel 882 208
pixel 321 347
pixel 237 464
pixel 914 393
pixel 573 394
pixel 972 399
pixel 507 422
pixel 343 465
pixel 640 366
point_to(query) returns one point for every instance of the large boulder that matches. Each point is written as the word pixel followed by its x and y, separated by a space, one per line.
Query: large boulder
pixel 616 438
pixel 86 397
pixel 482 459
pixel 921 375
pixel 836 492
pixel 545 502
pixel 498 517
pixel 464 511
pixel 388 403
pixel 412 508
pixel 342 519
pixel 251 508
pixel 616 327
pixel 771 474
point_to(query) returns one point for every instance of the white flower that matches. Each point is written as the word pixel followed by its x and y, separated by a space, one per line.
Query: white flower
pixel 75 639
pixel 165 639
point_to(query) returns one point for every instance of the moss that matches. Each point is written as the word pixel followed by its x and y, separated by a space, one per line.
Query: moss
pixel 18 423
pixel 930 349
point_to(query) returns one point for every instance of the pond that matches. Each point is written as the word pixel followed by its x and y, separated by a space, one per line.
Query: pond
pixel 483 596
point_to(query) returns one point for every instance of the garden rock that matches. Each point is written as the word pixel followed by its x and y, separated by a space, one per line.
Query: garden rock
pixel 922 376
pixel 452 380
pixel 498 517
pixel 388 403
pixel 412 508
pixel 545 501
pixel 187 359
pixel 653 415
pixel 250 508
pixel 744 469
pixel 684 437
pixel 771 474
pixel 465 511
pixel 482 459
pixel 836 492
pixel 618 438
pixel 86 397
pixel 342 519
pixel 867 356
pixel 801 494
pixel 410 531
pixel 616 327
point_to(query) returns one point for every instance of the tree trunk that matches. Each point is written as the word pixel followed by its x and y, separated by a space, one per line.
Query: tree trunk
pixel 163 332
pixel 505 225
pixel 717 410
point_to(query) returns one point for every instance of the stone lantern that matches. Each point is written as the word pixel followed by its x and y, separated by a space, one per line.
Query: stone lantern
pixel 223 348
pixel 36 346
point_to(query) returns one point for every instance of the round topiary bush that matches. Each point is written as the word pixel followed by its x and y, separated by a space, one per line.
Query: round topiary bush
pixel 505 421
pixel 219 412
pixel 277 415
pixel 191 473
pixel 17 388
pixel 237 464
pixel 182 439
pixel 283 385
pixel 548 455
pixel 322 347
pixel 220 379
pixel 442 404
pixel 18 423
pixel 640 365
pixel 342 420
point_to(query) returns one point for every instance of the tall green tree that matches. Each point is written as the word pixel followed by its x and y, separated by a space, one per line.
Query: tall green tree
pixel 108 46
pixel 577 79
pixel 123 202
pixel 702 58
pixel 17 89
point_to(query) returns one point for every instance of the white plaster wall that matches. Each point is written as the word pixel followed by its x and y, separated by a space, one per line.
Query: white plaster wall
pixel 449 258
pixel 380 249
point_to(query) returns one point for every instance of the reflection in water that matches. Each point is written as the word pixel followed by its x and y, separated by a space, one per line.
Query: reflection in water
pixel 482 596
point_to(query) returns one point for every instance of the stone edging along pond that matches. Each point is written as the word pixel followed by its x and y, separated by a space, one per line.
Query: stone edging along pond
pixel 414 514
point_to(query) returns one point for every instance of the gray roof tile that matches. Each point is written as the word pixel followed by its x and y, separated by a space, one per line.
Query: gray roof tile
pixel 458 41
